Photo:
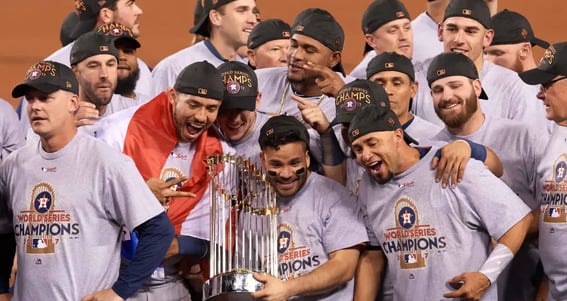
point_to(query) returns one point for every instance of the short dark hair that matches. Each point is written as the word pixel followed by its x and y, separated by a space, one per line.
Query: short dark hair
pixel 275 141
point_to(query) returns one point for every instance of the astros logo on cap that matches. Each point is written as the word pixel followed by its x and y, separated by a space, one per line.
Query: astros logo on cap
pixel 349 105
pixel 34 74
pixel 232 87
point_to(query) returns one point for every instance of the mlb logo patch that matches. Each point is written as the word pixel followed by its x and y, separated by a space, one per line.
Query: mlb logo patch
pixel 103 48
pixel 467 12
pixel 39 243
pixel 441 72
pixel 202 91
pixel 286 34
pixel 400 14
pixel 554 212
pixel 389 65
pixel 410 258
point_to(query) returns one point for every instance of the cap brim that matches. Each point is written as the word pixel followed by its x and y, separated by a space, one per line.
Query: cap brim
pixel 536 76
pixel 21 89
pixel 201 26
pixel 342 118
pixel 241 103
pixel 539 42
pixel 82 27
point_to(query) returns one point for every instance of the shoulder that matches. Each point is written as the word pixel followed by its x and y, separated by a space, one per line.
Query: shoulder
pixel 182 57
pixel 266 74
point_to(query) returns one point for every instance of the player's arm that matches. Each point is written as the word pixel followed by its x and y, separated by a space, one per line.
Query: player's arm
pixel 154 236
pixel 338 270
pixel 368 273
pixel 473 285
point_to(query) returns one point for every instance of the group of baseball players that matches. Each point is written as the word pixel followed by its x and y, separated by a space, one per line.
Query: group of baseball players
pixel 435 170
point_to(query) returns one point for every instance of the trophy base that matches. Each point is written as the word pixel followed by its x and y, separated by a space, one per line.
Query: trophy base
pixel 231 286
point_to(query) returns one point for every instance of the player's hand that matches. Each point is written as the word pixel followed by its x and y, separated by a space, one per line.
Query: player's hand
pixel 5 297
pixel 451 163
pixel 474 285
pixel 312 115
pixel 164 191
pixel 104 295
pixel 328 81
pixel 87 111
pixel 274 288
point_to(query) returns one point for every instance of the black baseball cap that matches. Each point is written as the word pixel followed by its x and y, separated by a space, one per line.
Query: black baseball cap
pixel 373 118
pixel 268 30
pixel 201 27
pixel 472 9
pixel 120 33
pixel 280 125
pixel 67 28
pixel 200 79
pixel 390 61
pixel 48 77
pixel 450 64
pixel 552 64
pixel 512 28
pixel 87 11
pixel 240 86
pixel 320 25
pixel 355 95
pixel 380 12
pixel 91 44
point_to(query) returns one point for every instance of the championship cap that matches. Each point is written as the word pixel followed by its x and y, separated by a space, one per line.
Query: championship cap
pixel 87 11
pixel 48 77
pixel 91 44
pixel 512 28
pixel 373 118
pixel 355 95
pixel 381 12
pixel 275 127
pixel 451 64
pixel 201 27
pixel 120 33
pixel 67 28
pixel 268 30
pixel 552 64
pixel 472 9
pixel 240 86
pixel 200 79
pixel 390 61
pixel 320 25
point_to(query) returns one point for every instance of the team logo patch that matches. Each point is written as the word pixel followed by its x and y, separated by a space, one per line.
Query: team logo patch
pixel 441 72
pixel 171 173
pixel 103 48
pixel 355 133
pixel 406 215
pixel 400 14
pixel 284 241
pixel 34 74
pixel 232 87
pixel 294 258
pixel 389 65
pixel 202 91
pixel 350 105
pixel 286 34
pixel 43 198
pixel 467 12
pixel 116 32
pixel 554 194
pixel 560 171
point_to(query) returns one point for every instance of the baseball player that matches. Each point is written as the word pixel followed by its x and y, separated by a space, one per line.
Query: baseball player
pixel 511 48
pixel 466 29
pixel 425 231
pixel 11 136
pixel 238 120
pixel 455 97
pixel 320 230
pixel 65 222
pixel 169 139
pixel 550 75
pixel 226 24
pixel 267 44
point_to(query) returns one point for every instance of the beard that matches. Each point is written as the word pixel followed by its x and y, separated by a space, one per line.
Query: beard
pixel 125 86
pixel 457 120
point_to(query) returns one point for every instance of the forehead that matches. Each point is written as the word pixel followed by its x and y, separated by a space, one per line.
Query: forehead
pixel 394 23
pixel 379 135
pixel 286 152
pixel 241 3
pixel 503 48
pixel 275 43
pixel 99 58
pixel 197 99
pixel 462 22
pixel 450 79
pixel 390 74
pixel 305 41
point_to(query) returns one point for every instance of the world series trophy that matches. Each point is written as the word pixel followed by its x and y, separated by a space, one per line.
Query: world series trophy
pixel 243 228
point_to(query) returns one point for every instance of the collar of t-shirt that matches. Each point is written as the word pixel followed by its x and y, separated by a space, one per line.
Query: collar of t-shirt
pixel 214 51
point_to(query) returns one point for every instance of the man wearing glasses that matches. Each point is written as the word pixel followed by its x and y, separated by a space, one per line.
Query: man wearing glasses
pixel 551 171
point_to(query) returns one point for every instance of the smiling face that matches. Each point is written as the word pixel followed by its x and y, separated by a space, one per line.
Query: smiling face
pixel 378 153
pixel 554 98
pixel 393 36
pixel 455 99
pixel 400 90
pixel 287 167
pixel 303 49
pixel 236 124
pixel 97 76
pixel 192 115
pixel 465 35
pixel 235 21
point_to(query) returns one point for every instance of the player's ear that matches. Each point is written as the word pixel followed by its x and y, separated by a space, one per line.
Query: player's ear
pixel 171 95
pixel 251 57
pixel 74 102
pixel 106 15
pixel 335 59
pixel 258 99
pixel 307 157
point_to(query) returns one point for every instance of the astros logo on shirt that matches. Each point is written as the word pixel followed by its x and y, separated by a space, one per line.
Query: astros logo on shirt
pixel 171 173
pixel 554 193
pixel 407 218
pixel 42 202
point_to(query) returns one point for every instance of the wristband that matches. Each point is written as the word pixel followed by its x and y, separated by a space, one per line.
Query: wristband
pixel 332 153
pixel 478 151
pixel 498 259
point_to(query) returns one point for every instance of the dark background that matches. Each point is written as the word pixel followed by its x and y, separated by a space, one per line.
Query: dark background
pixel 29 30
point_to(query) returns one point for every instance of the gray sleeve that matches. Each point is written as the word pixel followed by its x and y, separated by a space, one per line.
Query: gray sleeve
pixel 343 224
pixel 5 211
pixel 11 136
pixel 486 203
pixel 128 199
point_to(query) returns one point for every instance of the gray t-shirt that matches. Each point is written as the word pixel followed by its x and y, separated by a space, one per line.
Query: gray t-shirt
pixel 517 145
pixel 552 195
pixel 508 96
pixel 426 44
pixel 11 133
pixel 430 234
pixel 68 211
pixel 322 217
